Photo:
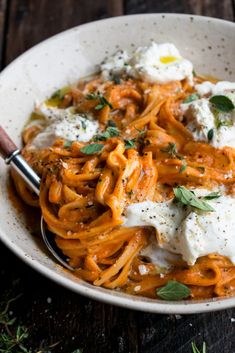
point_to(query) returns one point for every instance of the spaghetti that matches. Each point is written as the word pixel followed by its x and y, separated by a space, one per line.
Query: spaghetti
pixel 84 192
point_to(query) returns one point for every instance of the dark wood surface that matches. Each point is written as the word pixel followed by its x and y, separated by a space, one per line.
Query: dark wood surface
pixel 51 313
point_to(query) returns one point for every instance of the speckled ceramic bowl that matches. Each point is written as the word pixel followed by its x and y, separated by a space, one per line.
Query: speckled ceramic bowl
pixel 207 42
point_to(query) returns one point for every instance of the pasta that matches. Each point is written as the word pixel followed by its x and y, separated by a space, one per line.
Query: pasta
pixel 84 193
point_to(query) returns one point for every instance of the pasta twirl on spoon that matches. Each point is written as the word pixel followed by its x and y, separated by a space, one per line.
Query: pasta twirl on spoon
pixel 137 168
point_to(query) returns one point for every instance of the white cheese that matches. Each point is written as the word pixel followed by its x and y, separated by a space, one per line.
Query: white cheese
pixel 209 88
pixel 186 231
pixel 200 118
pixel 202 233
pixel 161 258
pixel 115 65
pixel 166 217
pixel 66 124
pixel 159 63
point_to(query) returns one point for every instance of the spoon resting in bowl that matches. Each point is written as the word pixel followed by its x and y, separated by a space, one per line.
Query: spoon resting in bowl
pixel 11 155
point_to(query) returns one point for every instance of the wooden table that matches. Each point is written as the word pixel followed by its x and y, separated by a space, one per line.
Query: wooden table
pixel 51 313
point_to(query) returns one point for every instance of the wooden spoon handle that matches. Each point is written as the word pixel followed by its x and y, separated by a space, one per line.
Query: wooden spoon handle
pixel 7 146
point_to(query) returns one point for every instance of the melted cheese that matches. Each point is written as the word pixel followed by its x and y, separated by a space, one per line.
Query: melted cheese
pixel 64 123
pixel 160 63
pixel 209 88
pixel 201 118
pixel 186 231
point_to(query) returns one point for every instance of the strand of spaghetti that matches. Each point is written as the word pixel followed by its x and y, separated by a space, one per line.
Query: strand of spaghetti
pixel 132 246
pixel 84 197
pixel 122 278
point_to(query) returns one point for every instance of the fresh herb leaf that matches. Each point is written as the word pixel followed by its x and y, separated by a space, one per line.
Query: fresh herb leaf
pixel 102 100
pixel 204 347
pixel 56 94
pixel 173 290
pixel 194 73
pixel 196 350
pixel 92 148
pixel 187 197
pixel 91 96
pixel 13 336
pixel 182 168
pixel 112 131
pixel 99 106
pixel 108 133
pixel 117 80
pixel 212 195
pixel 141 132
pixel 171 149
pixel 60 93
pixel 103 103
pixel 111 123
pixel 68 144
pixel 129 144
pixel 191 98
pixel 220 123
pixel 210 134
pixel 222 103
pixel 83 125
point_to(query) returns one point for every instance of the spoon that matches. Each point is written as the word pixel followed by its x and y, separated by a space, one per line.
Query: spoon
pixel 11 155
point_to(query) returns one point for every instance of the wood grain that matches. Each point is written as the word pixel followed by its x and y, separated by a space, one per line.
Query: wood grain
pixel 3 11
pixel 52 313
pixel 221 9
pixel 31 21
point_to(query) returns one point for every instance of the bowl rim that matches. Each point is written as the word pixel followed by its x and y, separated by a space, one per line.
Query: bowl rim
pixel 106 295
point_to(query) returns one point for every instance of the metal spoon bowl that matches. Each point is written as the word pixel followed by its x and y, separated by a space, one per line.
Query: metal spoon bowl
pixel 11 155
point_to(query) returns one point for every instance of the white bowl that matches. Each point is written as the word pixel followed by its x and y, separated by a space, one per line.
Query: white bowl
pixel 207 42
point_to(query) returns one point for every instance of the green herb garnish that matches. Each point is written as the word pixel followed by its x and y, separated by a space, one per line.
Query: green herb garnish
pixel 129 143
pixel 220 123
pixel 182 168
pixel 191 98
pixel 196 350
pixel 222 103
pixel 171 149
pixel 210 134
pixel 173 290
pixel 102 100
pixel 68 144
pixel 83 125
pixel 117 80
pixel 111 123
pixel 187 197
pixel 14 337
pixel 108 133
pixel 92 148
pixel 57 94
pixel 60 93
pixel 212 195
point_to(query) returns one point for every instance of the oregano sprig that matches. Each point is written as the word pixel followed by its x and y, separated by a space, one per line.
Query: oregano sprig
pixel 188 198
pixel 102 100
pixel 173 290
